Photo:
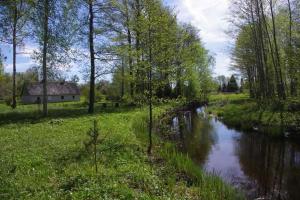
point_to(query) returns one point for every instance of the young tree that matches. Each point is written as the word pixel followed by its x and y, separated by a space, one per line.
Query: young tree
pixel 14 15
pixel 92 144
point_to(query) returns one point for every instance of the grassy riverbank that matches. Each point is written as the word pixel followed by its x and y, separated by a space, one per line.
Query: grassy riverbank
pixel 45 158
pixel 239 111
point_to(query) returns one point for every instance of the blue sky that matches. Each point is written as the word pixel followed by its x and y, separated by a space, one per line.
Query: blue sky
pixel 210 17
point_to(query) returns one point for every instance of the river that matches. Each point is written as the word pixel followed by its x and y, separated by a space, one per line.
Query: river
pixel 260 166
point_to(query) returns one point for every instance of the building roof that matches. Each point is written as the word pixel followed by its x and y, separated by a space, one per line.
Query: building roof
pixel 53 89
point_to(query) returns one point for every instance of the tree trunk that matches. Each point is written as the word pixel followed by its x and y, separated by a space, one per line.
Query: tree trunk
pixel 92 57
pixel 178 82
pixel 282 94
pixel 150 111
pixel 262 53
pixel 140 72
pixel 129 40
pixel 45 46
pixel 293 86
pixel 275 64
pixel 150 92
pixel 123 78
pixel 14 102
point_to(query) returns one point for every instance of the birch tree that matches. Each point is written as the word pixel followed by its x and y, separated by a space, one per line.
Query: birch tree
pixel 14 17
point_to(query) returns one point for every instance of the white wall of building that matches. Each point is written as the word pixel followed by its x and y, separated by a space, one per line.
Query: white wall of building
pixel 51 99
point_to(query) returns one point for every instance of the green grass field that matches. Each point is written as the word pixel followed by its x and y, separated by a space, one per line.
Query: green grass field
pixel 238 110
pixel 45 158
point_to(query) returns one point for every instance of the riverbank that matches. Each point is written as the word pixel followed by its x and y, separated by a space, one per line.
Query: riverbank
pixel 241 112
pixel 45 158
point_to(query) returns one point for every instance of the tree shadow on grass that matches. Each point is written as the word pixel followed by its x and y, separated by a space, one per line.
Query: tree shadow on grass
pixel 61 112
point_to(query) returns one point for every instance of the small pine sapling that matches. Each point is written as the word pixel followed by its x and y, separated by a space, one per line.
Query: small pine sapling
pixel 91 144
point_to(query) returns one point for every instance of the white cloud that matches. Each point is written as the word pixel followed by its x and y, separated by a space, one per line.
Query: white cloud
pixel 210 17
pixel 21 66
pixel 26 51
pixel 223 62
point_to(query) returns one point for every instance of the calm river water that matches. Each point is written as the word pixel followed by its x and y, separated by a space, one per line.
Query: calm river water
pixel 260 166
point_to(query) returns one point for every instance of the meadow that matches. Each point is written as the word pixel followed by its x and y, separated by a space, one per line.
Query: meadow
pixel 46 158
pixel 242 112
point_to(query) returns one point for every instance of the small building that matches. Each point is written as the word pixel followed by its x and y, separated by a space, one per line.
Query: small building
pixel 56 92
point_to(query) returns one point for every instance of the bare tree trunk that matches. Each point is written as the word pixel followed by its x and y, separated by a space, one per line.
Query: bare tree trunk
pixel 178 83
pixel 290 23
pixel 140 73
pixel 262 53
pixel 258 50
pixel 123 77
pixel 14 102
pixel 150 111
pixel 130 64
pixel 275 64
pixel 150 92
pixel 282 94
pixel 293 86
pixel 257 55
pixel 45 46
pixel 92 57
pixel 129 40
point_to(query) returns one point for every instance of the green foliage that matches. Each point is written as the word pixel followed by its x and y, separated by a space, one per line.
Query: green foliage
pixel 266 49
pixel 147 35
pixel 22 78
pixel 63 26
pixel 5 87
pixel 239 111
pixel 232 85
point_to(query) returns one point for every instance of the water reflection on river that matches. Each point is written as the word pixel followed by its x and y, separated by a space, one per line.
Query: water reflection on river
pixel 260 166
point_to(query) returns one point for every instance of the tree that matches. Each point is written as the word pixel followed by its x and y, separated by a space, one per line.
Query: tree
pixel 1 66
pixel 75 79
pixel 95 37
pixel 92 56
pixel 92 143
pixel 232 85
pixel 152 54
pixel 14 15
pixel 54 25
pixel 266 43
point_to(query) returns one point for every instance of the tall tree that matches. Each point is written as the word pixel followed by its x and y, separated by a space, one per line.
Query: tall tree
pixel 267 31
pixel 45 48
pixel 14 15
pixel 54 32
pixel 1 66
pixel 92 56
pixel 291 54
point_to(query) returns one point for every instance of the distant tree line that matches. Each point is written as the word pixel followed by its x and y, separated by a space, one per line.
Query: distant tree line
pixel 228 84
pixel 267 47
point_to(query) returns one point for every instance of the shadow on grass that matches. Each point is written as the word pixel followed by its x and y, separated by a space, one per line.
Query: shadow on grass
pixel 61 112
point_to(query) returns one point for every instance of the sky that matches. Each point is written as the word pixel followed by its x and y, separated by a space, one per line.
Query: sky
pixel 209 16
